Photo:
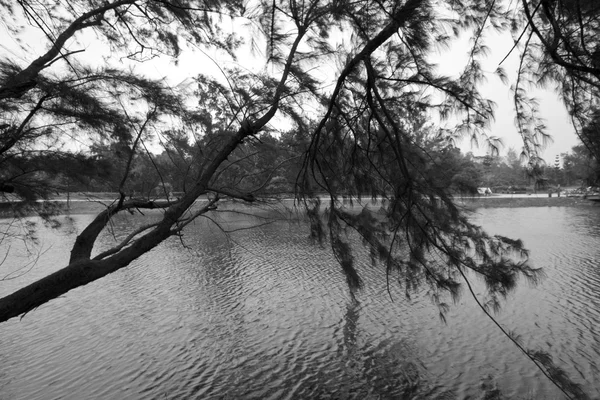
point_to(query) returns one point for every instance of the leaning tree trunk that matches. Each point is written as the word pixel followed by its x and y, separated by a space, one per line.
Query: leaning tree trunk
pixel 53 286
pixel 83 270
pixel 76 274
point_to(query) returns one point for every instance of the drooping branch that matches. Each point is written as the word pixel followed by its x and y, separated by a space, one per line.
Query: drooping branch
pixel 372 87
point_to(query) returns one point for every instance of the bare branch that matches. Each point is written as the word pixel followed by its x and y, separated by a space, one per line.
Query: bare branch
pixel 85 241
pixel 249 197
pixel 125 241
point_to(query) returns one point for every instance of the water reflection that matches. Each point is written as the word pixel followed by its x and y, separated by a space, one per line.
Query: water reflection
pixel 267 314
pixel 350 324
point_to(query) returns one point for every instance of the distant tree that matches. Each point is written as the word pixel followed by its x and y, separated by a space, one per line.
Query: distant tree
pixel 450 169
pixel 507 171
pixel 579 167
pixel 176 164
pixel 293 144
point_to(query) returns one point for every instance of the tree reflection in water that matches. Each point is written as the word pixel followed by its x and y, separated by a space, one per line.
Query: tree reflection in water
pixel 385 370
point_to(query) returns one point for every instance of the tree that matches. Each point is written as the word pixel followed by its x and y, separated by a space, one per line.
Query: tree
pixel 580 167
pixel 560 46
pixel 368 88
pixel 363 142
pixel 503 172
pixel 590 135
pixel 515 174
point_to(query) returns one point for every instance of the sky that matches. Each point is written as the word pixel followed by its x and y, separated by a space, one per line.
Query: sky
pixel 449 62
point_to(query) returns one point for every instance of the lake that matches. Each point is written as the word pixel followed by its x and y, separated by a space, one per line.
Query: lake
pixel 266 314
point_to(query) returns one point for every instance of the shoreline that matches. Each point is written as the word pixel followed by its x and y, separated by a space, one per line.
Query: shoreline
pixel 524 201
pixel 468 203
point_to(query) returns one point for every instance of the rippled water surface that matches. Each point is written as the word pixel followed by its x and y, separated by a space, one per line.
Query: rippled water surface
pixel 266 314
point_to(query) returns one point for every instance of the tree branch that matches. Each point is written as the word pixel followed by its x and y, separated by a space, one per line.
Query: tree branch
pixel 125 241
pixel 249 197
pixel 17 134
pixel 84 243
pixel 25 80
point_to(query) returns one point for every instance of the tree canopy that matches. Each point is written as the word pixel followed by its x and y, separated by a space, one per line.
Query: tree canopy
pixel 352 82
